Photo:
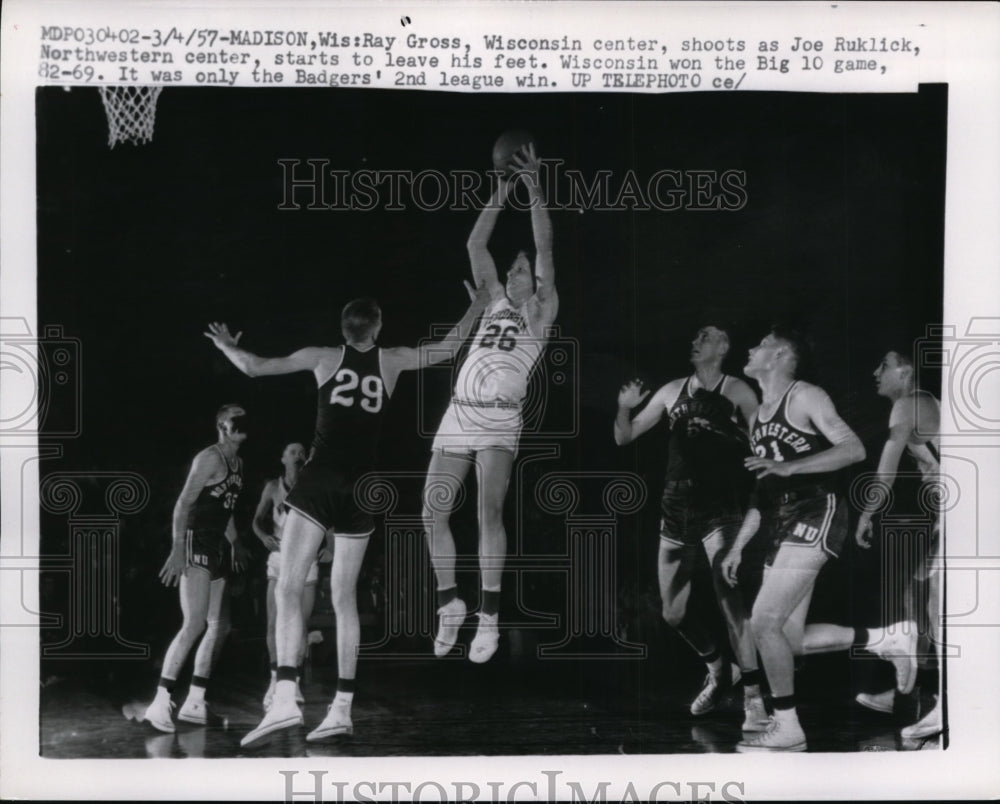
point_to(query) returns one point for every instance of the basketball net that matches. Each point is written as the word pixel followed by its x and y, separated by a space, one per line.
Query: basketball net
pixel 131 113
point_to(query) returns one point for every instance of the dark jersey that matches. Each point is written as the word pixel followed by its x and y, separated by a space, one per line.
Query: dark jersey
pixel 349 411
pixel 706 444
pixel 215 503
pixel 780 440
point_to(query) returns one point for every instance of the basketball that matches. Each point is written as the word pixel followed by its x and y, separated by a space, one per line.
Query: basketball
pixel 506 146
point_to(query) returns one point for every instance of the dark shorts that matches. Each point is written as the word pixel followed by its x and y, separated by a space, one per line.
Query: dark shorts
pixel 688 515
pixel 324 494
pixel 814 521
pixel 209 550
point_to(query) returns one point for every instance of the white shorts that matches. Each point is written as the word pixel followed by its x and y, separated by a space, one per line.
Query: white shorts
pixel 466 429
pixel 274 568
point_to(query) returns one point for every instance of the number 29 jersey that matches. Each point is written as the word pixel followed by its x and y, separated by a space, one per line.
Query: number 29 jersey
pixel 502 355
pixel 350 407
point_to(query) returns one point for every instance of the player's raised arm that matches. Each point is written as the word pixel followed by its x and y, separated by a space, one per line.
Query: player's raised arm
pixel 255 366
pixel 627 429
pixel 406 358
pixel 528 164
pixel 484 269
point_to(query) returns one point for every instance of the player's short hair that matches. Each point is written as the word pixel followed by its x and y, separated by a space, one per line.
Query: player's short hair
pixel 359 319
pixel 223 412
pixel 903 355
pixel 800 343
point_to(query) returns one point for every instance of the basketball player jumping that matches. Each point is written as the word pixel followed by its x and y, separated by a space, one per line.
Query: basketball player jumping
pixel 355 382
pixel 267 524
pixel 702 506
pixel 799 441
pixel 914 425
pixel 482 424
pixel 205 547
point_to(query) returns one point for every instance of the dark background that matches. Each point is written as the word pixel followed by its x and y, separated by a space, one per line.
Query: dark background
pixel 139 247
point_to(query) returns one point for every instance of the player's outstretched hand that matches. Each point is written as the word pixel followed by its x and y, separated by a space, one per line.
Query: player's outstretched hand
pixel 631 394
pixel 526 164
pixel 863 534
pixel 762 467
pixel 478 295
pixel 730 566
pixel 173 568
pixel 219 333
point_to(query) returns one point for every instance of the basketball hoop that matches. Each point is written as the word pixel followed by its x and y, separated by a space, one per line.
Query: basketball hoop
pixel 131 113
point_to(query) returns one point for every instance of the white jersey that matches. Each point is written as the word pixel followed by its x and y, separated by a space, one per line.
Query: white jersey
pixel 502 355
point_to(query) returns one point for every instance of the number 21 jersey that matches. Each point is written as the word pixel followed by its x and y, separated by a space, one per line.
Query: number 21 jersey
pixel 349 411
pixel 501 357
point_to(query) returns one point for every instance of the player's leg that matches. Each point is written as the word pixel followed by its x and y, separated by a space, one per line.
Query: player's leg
pixel 932 723
pixel 300 540
pixel 217 629
pixel 442 491
pixel 734 612
pixel 308 603
pixel 493 476
pixel 194 595
pixel 777 616
pixel 348 555
pixel 676 561
pixel 272 649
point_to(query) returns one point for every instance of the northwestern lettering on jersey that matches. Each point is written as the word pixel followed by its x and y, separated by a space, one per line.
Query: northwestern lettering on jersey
pixel 510 315
pixel 776 430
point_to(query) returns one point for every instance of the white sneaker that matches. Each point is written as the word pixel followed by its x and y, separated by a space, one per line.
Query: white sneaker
pixel 900 647
pixel 781 735
pixel 487 639
pixel 281 715
pixel 878 702
pixel 712 691
pixel 452 616
pixel 269 695
pixel 337 721
pixel 755 716
pixel 928 726
pixel 198 712
pixel 300 699
pixel 160 714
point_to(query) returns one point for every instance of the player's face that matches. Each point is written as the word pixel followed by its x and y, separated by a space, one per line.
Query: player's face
pixel 891 375
pixel 294 455
pixel 763 356
pixel 709 344
pixel 233 427
pixel 520 284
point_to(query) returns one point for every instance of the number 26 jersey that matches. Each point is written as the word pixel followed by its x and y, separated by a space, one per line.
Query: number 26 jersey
pixel 501 357
pixel 349 411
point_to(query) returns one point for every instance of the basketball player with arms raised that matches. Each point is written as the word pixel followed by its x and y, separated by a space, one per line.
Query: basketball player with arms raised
pixel 267 524
pixel 483 423
pixel 702 506
pixel 354 384
pixel 205 547
pixel 914 427
pixel 799 443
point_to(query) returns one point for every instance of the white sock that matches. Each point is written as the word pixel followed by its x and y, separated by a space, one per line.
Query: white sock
pixel 196 694
pixel 162 696
pixel 787 716
pixel 343 698
pixel 284 690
